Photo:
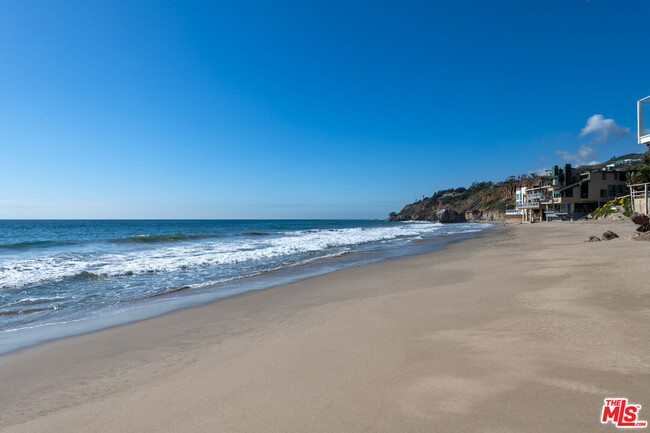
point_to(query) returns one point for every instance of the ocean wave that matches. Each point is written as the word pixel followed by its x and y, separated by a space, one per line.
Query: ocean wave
pixel 148 239
pixel 250 250
pixel 36 244
pixel 175 237
pixel 167 291
pixel 32 301
pixel 26 311
pixel 143 239
pixel 171 290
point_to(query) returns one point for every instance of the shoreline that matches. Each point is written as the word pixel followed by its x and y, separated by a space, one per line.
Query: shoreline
pixel 185 297
pixel 520 321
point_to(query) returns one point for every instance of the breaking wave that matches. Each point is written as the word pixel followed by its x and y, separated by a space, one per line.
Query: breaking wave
pixel 185 256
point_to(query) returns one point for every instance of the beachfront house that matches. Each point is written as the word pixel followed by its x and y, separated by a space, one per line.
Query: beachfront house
pixel 640 193
pixel 569 194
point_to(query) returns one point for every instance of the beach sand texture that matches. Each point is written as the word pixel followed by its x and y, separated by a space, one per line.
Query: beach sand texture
pixel 524 329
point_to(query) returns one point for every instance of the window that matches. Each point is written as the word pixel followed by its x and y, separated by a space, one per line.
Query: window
pixel 615 190
pixel 604 176
pixel 603 193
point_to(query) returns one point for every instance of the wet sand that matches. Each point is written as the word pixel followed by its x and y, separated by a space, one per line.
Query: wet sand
pixel 524 329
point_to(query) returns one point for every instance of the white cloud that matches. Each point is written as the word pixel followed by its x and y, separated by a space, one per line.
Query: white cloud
pixel 602 129
pixel 598 130
pixel 583 154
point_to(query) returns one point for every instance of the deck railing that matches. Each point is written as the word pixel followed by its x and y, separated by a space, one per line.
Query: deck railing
pixel 639 197
pixel 529 204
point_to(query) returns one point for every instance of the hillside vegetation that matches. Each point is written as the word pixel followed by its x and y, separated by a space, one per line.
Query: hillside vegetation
pixel 481 201
pixel 486 201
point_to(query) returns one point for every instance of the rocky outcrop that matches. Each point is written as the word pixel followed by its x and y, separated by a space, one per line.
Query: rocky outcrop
pixel 593 239
pixel 609 235
pixel 643 221
pixel 448 215
pixel 438 215
pixel 484 216
pixel 611 217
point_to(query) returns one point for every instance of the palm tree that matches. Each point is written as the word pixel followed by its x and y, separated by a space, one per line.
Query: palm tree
pixel 642 173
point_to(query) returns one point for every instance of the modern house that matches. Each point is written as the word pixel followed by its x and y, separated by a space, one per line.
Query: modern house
pixel 569 194
pixel 640 193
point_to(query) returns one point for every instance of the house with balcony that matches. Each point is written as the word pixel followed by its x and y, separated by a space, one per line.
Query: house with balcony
pixel 569 194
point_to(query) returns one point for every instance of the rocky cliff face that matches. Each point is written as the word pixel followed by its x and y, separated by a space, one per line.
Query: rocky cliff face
pixel 483 201
pixel 441 215
pixel 485 216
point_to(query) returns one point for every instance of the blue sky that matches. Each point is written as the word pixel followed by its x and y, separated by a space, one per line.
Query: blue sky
pixel 180 109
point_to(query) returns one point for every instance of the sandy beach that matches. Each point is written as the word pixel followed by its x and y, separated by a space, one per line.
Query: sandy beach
pixel 524 329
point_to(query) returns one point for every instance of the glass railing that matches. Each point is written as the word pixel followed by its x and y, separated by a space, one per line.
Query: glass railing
pixel 644 121
pixel 530 204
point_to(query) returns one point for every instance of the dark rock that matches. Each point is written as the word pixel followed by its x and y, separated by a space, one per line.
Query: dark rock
pixel 398 217
pixel 643 221
pixel 446 215
pixel 640 219
pixel 593 239
pixel 609 235
pixel 449 216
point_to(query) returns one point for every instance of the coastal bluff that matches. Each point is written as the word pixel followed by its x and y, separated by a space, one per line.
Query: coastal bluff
pixel 482 201
pixel 488 201
pixel 448 215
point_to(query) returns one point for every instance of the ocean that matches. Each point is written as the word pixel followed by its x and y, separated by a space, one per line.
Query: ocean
pixel 64 277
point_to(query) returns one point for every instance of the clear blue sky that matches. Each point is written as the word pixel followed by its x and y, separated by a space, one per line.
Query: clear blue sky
pixel 180 109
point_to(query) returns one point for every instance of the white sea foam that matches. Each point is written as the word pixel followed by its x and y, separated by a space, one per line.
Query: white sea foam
pixel 190 255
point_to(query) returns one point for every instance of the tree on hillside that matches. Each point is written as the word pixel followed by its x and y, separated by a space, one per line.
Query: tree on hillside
pixel 642 173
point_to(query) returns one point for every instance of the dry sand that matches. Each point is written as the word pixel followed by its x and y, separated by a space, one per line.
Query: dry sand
pixel 525 329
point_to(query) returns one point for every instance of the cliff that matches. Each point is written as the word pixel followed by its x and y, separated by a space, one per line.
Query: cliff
pixel 482 201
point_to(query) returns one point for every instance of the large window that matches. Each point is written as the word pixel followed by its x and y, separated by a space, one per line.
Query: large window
pixel 644 119
pixel 603 193
pixel 616 190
